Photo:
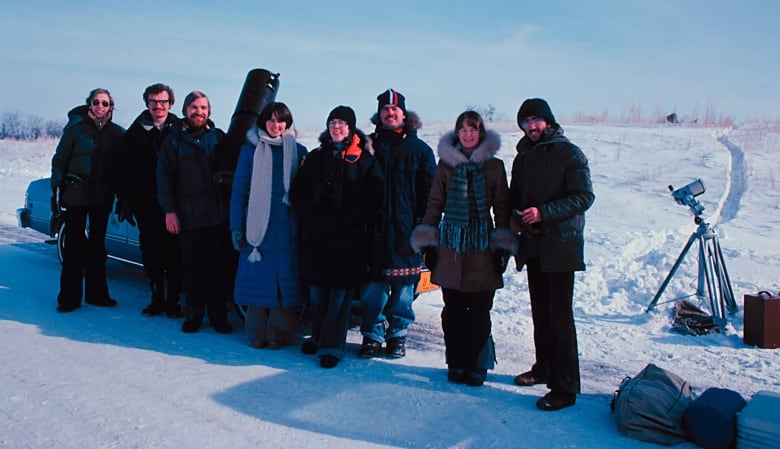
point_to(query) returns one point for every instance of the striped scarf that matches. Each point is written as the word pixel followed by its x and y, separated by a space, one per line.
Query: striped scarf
pixel 466 223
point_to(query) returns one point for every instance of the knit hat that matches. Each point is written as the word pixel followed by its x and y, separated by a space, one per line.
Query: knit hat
pixel 343 113
pixel 391 96
pixel 535 107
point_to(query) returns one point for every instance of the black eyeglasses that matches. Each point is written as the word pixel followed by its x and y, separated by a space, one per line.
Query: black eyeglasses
pixel 104 103
pixel 159 102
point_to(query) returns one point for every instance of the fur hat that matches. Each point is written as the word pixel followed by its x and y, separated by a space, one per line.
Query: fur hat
pixel 391 96
pixel 343 113
pixel 535 107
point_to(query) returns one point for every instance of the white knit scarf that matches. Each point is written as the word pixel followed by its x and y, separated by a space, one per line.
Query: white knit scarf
pixel 259 209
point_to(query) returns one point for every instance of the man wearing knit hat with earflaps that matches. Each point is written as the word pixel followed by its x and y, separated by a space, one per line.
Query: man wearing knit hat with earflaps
pixel 409 166
pixel 550 191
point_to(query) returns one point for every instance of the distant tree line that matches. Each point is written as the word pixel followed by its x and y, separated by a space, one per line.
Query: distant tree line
pixel 19 126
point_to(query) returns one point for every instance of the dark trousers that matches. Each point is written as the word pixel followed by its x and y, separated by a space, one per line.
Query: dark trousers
pixel 465 320
pixel 160 253
pixel 330 319
pixel 555 336
pixel 84 259
pixel 204 253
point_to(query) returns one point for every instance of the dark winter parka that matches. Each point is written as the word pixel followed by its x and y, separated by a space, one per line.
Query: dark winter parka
pixel 473 271
pixel 185 183
pixel 140 154
pixel 553 176
pixel 92 154
pixel 337 201
pixel 408 165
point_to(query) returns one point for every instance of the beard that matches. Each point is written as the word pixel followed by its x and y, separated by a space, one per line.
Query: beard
pixel 196 121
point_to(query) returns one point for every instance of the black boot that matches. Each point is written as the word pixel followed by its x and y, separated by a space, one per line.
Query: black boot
pixel 157 306
pixel 396 347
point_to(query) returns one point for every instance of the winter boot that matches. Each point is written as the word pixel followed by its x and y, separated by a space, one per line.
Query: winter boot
pixel 396 347
pixel 157 306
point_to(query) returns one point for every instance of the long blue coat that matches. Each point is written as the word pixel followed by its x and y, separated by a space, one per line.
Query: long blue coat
pixel 257 283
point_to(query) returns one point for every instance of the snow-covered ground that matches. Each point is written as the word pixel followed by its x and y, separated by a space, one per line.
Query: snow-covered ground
pixel 112 378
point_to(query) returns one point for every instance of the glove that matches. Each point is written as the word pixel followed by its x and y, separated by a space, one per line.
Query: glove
pixel 56 207
pixel 430 255
pixel 239 241
pixel 123 212
pixel 501 259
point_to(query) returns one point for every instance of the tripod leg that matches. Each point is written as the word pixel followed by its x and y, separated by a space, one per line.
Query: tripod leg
pixel 728 293
pixel 669 276
pixel 707 278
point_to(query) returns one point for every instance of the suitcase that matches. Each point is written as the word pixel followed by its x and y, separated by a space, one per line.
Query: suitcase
pixel 762 320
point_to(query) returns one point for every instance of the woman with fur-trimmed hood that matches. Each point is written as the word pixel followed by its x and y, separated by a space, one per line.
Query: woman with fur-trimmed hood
pixel 463 246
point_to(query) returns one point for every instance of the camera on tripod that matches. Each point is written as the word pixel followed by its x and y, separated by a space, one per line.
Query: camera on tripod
pixel 686 196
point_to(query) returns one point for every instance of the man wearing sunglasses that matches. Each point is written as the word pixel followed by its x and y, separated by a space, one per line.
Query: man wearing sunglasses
pixel 83 173
pixel 196 209
pixel 549 193
pixel 160 250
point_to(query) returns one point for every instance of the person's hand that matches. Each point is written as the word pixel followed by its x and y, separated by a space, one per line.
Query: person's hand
pixel 239 240
pixel 519 225
pixel 430 255
pixel 124 213
pixel 501 259
pixel 56 207
pixel 172 223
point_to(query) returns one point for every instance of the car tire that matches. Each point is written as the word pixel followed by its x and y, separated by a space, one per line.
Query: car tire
pixel 61 242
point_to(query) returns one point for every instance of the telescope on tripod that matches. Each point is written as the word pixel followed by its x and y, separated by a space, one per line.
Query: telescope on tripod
pixel 714 285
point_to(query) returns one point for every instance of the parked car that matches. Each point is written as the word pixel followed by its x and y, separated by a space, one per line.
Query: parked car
pixel 121 238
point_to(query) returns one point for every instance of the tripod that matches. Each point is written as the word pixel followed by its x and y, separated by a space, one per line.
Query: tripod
pixel 712 274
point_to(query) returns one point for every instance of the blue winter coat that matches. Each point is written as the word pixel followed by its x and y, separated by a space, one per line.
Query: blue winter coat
pixel 256 283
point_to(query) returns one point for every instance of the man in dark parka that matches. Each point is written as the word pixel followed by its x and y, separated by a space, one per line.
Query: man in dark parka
pixel 549 193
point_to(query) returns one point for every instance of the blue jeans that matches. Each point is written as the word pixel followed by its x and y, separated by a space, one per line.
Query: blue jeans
pixel 330 319
pixel 390 302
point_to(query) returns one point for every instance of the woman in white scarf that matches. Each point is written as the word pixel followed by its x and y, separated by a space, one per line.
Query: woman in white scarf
pixel 263 229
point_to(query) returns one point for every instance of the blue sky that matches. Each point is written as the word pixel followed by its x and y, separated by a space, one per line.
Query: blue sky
pixel 659 56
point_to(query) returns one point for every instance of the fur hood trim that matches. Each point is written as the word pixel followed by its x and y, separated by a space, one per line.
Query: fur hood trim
pixel 450 153
pixel 411 124
pixel 253 134
pixel 424 236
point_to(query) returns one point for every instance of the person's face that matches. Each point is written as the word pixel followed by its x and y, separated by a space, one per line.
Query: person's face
pixel 391 116
pixel 338 129
pixel 468 136
pixel 100 105
pixel 198 112
pixel 534 127
pixel 275 127
pixel 159 104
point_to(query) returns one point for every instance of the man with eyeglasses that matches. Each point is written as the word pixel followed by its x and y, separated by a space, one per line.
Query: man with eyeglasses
pixel 549 193
pixel 409 166
pixel 196 209
pixel 160 250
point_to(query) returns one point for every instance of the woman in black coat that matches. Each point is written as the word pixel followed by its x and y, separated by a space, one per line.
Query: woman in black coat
pixel 338 191
pixel 82 174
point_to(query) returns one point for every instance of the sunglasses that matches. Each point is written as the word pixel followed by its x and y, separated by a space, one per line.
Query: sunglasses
pixel 104 103
pixel 159 102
